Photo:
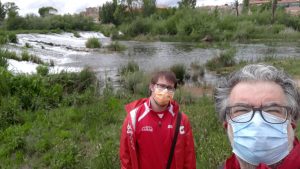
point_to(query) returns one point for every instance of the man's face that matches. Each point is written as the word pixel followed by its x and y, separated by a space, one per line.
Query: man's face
pixel 162 92
pixel 258 94
pixel 162 83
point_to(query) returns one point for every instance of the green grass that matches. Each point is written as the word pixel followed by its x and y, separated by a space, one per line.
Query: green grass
pixel 88 136
pixel 93 43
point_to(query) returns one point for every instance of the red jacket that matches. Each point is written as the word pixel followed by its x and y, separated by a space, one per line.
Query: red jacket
pixel 139 113
pixel 292 161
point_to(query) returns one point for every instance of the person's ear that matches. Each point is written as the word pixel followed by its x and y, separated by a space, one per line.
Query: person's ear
pixel 151 87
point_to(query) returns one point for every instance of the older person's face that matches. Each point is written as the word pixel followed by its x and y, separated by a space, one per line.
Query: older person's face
pixel 258 94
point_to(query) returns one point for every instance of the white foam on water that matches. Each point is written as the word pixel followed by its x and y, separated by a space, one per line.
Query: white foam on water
pixel 30 68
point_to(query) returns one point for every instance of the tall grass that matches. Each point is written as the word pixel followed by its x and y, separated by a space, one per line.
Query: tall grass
pixel 179 70
pixel 225 59
pixel 93 43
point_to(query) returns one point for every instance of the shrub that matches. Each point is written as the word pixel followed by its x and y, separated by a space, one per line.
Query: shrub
pixel 197 71
pixel 75 82
pixel 42 70
pixel 9 55
pixel 116 46
pixel 132 80
pixel 184 97
pixel 25 56
pixel 129 68
pixel 5 80
pixel 27 45
pixel 3 62
pixel 179 70
pixel 244 31
pixel 93 43
pixel 226 59
pixel 76 34
pixel 51 63
pixel 12 37
pixel 139 26
pixel 9 109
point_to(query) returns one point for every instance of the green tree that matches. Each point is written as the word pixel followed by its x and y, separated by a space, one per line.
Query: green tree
pixel 236 7
pixel 120 14
pixel 2 12
pixel 11 9
pixel 14 21
pixel 149 7
pixel 131 6
pixel 106 12
pixel 245 6
pixel 46 11
pixel 187 3
pixel 274 6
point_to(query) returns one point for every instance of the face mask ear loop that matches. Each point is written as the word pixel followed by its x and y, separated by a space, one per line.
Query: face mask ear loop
pixel 225 125
pixel 293 125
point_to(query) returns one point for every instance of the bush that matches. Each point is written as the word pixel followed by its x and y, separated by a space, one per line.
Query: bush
pixel 116 46
pixel 132 81
pixel 27 45
pixel 42 70
pixel 25 56
pixel 179 70
pixel 76 34
pixel 3 62
pixel 226 59
pixel 93 43
pixel 75 82
pixel 9 55
pixel 9 111
pixel 12 37
pixel 129 68
pixel 139 26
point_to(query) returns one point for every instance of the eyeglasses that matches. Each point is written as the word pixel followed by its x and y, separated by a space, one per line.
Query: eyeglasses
pixel 161 87
pixel 275 114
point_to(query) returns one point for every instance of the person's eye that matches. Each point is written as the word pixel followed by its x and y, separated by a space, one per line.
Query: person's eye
pixel 273 110
pixel 239 110
pixel 170 88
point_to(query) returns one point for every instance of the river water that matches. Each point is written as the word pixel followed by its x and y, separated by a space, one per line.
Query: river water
pixel 69 52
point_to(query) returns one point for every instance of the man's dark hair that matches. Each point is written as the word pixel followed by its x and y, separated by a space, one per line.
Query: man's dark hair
pixel 168 75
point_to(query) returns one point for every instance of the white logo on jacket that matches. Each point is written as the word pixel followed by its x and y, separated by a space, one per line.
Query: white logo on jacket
pixel 147 128
pixel 181 130
pixel 129 129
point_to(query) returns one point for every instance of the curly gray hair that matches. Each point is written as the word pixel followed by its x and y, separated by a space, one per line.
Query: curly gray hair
pixel 257 72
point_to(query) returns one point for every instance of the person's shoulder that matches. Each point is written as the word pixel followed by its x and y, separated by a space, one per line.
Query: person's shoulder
pixel 185 118
pixel 135 104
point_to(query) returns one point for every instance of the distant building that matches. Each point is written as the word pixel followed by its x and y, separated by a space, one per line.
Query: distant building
pixel 291 6
pixel 92 12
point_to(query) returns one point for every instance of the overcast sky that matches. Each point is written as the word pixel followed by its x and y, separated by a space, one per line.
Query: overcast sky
pixel 76 6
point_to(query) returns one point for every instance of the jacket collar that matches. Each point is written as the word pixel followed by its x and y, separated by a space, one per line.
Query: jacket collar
pixel 173 106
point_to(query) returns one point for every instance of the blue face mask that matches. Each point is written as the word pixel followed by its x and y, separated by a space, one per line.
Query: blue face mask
pixel 258 141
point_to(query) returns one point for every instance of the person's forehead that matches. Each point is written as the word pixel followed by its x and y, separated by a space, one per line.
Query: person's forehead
pixel 163 80
pixel 257 93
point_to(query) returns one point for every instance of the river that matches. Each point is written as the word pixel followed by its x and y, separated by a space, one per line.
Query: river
pixel 69 52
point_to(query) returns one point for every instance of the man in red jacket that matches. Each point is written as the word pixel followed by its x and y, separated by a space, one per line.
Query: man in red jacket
pixel 148 129
pixel 259 107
